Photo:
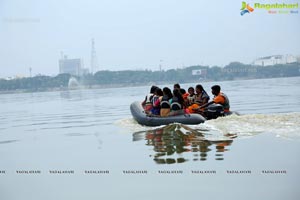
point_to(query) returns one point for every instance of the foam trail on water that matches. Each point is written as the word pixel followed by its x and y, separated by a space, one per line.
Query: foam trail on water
pixel 132 125
pixel 285 125
pixel 282 125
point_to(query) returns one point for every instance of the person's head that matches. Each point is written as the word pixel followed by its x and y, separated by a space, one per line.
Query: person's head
pixel 215 90
pixel 152 89
pixel 176 86
pixel 184 94
pixel 182 91
pixel 177 93
pixel 167 92
pixel 199 89
pixel 158 92
pixel 191 90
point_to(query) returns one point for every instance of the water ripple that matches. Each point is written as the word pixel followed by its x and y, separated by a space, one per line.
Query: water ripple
pixel 8 141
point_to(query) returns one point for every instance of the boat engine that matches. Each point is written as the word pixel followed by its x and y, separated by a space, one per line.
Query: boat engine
pixel 214 111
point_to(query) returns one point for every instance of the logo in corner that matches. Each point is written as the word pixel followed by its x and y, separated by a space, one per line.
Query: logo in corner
pixel 246 8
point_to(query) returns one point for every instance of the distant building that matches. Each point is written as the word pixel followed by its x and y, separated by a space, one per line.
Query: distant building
pixel 298 59
pixel 275 60
pixel 200 72
pixel 71 66
pixel 14 77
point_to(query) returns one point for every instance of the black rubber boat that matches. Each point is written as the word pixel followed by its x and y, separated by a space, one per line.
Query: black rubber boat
pixel 140 116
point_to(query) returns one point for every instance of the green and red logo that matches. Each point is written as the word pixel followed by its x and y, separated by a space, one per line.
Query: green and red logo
pixel 271 8
pixel 246 8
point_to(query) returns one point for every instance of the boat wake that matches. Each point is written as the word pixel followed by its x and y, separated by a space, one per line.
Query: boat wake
pixel 284 125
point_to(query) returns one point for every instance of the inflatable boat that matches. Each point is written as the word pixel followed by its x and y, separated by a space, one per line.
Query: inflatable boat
pixel 140 116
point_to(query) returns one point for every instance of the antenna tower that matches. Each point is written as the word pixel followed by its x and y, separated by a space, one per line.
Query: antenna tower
pixel 94 64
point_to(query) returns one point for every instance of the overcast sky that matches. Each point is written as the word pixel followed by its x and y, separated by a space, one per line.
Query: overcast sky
pixel 137 34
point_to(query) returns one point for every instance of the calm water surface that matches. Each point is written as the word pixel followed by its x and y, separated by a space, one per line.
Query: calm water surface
pixel 83 130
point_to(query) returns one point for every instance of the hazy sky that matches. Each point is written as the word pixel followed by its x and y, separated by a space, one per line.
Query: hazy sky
pixel 137 34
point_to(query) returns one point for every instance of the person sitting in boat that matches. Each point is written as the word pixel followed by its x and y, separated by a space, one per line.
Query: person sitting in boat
pixel 191 97
pixel 219 98
pixel 176 86
pixel 158 94
pixel 165 104
pixel 201 98
pixel 184 96
pixel 177 103
pixel 147 103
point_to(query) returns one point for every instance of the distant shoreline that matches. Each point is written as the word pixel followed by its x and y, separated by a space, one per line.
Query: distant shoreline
pixel 131 78
pixel 104 86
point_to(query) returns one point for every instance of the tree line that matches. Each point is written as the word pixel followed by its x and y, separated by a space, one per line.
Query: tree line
pixel 234 70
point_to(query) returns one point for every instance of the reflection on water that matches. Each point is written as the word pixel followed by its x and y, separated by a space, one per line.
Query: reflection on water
pixel 177 140
pixel 7 141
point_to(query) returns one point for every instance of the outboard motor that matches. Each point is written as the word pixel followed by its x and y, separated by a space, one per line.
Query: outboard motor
pixel 214 111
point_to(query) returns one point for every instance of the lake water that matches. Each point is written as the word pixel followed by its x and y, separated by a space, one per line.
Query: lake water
pixel 84 144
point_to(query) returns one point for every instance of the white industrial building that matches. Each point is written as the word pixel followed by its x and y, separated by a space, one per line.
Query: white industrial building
pixel 275 60
pixel 71 66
